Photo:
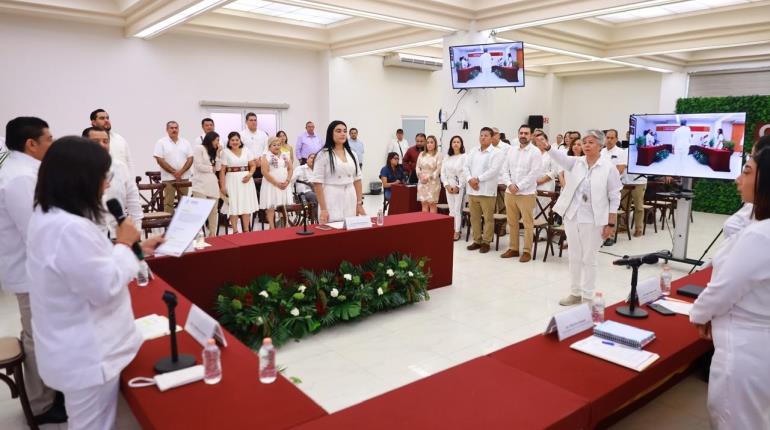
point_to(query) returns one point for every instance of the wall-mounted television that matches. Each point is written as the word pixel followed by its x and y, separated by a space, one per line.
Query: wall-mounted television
pixel 491 65
pixel 703 145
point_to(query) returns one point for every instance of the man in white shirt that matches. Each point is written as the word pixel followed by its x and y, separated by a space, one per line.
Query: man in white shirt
pixel 619 158
pixel 499 145
pixel 399 145
pixel 174 156
pixel 485 61
pixel 520 171
pixel 28 141
pixel 254 139
pixel 356 146
pixel 482 168
pixel 118 146
pixel 207 125
pixel 682 139
pixel 122 185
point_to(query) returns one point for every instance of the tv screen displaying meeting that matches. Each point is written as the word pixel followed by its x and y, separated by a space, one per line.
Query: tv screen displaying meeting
pixel 491 65
pixel 704 145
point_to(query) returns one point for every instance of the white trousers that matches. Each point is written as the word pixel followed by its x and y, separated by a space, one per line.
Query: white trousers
pixel 584 243
pixel 455 202
pixel 93 408
pixel 340 201
pixel 738 391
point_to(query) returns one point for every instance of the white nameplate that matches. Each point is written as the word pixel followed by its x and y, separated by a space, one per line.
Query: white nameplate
pixel 571 322
pixel 203 327
pixel 356 222
pixel 648 291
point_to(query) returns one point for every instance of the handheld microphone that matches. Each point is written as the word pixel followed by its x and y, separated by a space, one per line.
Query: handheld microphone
pixel 637 260
pixel 116 209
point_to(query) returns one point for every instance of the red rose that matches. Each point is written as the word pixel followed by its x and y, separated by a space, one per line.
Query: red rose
pixel 248 299
pixel 368 276
pixel 320 309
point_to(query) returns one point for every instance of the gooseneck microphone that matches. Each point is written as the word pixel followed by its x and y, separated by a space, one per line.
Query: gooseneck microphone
pixel 116 209
pixel 636 260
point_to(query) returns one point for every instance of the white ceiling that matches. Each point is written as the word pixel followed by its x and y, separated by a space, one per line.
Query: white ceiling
pixel 566 37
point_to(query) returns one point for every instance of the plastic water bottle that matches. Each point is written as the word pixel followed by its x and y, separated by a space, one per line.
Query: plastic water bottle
pixel 380 217
pixel 200 240
pixel 597 308
pixel 143 276
pixel 212 365
pixel 665 280
pixel 267 369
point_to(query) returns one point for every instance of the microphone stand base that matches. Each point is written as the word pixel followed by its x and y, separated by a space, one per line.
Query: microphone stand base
pixel 304 232
pixel 636 313
pixel 165 365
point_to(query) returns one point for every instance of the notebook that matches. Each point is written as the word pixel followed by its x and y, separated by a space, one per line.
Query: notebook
pixel 690 290
pixel 624 334
pixel 634 359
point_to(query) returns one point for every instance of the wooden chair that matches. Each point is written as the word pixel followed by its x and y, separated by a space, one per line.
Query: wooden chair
pixel 11 359
pixel 152 206
pixel 294 215
pixel 624 215
pixel 153 177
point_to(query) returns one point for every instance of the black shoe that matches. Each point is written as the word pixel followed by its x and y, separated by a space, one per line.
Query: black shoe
pixel 609 242
pixel 56 415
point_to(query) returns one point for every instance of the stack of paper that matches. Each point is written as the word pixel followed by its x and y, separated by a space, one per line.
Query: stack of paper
pixel 615 353
pixel 677 306
pixel 154 326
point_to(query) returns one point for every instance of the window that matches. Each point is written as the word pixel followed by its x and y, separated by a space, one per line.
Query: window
pixel 234 119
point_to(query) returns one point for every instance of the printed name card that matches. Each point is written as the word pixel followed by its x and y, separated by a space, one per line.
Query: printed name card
pixel 570 322
pixel 203 327
pixel 648 291
pixel 356 222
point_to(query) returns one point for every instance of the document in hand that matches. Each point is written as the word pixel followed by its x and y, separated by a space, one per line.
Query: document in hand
pixel 634 359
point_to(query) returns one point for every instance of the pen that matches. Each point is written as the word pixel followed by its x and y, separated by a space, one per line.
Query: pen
pixel 675 300
pixel 607 342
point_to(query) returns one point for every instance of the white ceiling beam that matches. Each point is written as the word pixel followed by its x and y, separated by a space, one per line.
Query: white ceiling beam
pixel 148 17
pixel 414 14
pixel 347 31
pixel 723 38
pixel 256 29
pixel 388 43
pixel 86 11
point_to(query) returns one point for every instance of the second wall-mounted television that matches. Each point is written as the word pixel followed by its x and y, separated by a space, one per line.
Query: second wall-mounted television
pixel 490 65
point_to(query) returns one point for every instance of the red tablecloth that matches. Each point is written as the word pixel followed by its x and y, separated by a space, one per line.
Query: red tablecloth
pixel 719 159
pixel 479 394
pixel 242 257
pixel 646 154
pixel 403 199
pixel 606 386
pixel 238 401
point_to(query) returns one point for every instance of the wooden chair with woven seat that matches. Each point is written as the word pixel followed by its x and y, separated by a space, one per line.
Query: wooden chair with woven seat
pixel 152 206
pixel 11 359
pixel 649 214
pixel 294 215
pixel 501 227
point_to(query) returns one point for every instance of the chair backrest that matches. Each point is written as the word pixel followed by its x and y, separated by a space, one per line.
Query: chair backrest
pixel 152 196
pixel 293 215
pixel 546 210
pixel 153 177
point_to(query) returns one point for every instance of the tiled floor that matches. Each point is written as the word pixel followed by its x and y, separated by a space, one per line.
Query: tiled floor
pixel 492 303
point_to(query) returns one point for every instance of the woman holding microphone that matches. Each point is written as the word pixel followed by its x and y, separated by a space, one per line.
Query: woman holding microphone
pixel 84 326
pixel 336 177
pixel 589 206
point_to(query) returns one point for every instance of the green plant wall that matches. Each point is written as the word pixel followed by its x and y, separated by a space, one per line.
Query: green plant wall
pixel 716 196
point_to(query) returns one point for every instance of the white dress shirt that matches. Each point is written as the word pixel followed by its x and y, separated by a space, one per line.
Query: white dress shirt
pixel 358 148
pixel 739 220
pixel 399 147
pixel 256 142
pixel 452 169
pixel 123 187
pixel 550 169
pixel 175 154
pixel 522 167
pixel 119 151
pixel 83 324
pixel 18 177
pixel 649 140
pixel 303 173
pixel 205 179
pixel 484 165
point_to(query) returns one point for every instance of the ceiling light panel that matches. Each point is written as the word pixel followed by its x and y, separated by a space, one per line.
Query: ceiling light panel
pixel 296 13
pixel 669 9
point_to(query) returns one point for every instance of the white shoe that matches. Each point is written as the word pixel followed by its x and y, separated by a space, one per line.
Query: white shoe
pixel 571 300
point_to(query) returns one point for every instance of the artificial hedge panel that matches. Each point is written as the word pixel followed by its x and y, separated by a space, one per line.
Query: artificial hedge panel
pixel 717 196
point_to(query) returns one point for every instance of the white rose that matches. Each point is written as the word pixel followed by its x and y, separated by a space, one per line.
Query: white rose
pixel 410 274
pixel 348 277
pixel 260 320
pixel 390 272
pixel 295 312
pixel 334 292
pixel 263 293
pixel 301 288
pixel 380 292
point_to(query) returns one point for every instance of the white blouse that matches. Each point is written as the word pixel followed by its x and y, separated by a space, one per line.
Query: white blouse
pixel 205 179
pixel 83 324
pixel 452 171
pixel 345 173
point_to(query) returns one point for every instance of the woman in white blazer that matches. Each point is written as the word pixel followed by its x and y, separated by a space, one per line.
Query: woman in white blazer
pixel 589 206
pixel 734 311
pixel 336 177
pixel 83 326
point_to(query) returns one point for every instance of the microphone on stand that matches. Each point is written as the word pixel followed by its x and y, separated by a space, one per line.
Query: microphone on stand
pixel 631 311
pixel 116 209
pixel 304 231
pixel 637 260
pixel 175 361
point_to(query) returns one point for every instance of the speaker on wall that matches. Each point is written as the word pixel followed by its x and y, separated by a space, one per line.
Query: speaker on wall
pixel 535 121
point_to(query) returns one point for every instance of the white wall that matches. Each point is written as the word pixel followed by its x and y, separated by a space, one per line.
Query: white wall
pixel 61 71
pixel 607 100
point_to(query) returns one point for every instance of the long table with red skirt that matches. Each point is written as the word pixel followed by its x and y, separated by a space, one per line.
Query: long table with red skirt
pixel 645 155
pixel 403 199
pixel 239 258
pixel 718 159
pixel 239 400
pixel 613 391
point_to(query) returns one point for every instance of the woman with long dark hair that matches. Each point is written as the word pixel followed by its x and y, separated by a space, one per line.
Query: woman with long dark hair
pixel 84 326
pixel 336 177
pixel 206 165
pixel 235 181
pixel 454 181
pixel 286 149
pixel 391 173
